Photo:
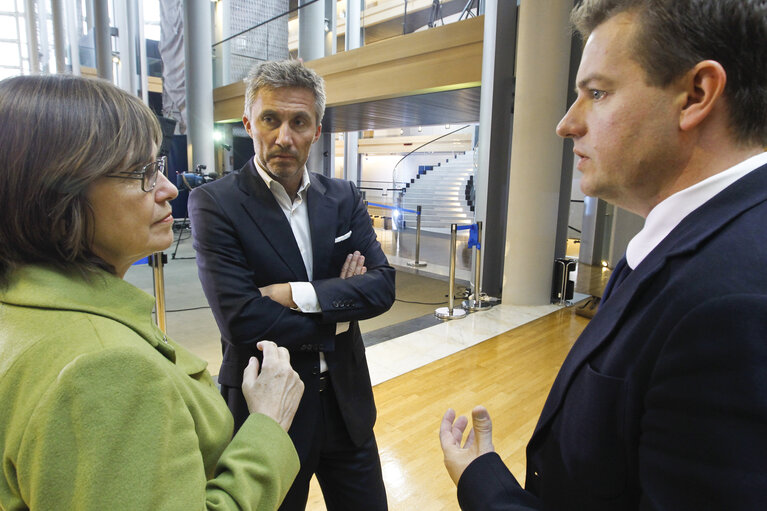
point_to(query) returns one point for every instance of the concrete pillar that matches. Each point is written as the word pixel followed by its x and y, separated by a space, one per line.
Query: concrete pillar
pixel 543 58
pixel 126 46
pixel 331 30
pixel 311 30
pixel 311 45
pixel 198 57
pixel 74 32
pixel 221 52
pixel 353 38
pixel 102 39
pixel 352 41
pixel 351 157
pixel 137 45
pixel 89 16
pixel 59 35
pixel 42 33
pixel 32 41
pixel 143 80
pixel 494 135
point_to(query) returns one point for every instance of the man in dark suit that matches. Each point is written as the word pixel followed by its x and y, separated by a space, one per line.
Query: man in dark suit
pixel 662 402
pixel 291 256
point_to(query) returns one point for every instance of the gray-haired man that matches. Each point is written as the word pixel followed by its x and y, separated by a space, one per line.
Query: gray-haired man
pixel 291 256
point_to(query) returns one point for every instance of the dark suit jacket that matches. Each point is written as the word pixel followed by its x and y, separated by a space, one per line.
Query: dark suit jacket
pixel 662 402
pixel 243 242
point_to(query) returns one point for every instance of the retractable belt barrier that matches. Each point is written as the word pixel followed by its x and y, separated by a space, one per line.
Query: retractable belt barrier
pixel 417 211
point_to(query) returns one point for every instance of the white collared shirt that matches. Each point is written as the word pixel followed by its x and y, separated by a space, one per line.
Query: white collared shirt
pixel 670 212
pixel 297 214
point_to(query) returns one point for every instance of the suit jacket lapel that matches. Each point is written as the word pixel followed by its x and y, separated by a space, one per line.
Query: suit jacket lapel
pixel 323 213
pixel 684 239
pixel 262 208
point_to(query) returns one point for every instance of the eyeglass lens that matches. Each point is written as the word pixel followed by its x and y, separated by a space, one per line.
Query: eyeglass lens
pixel 151 172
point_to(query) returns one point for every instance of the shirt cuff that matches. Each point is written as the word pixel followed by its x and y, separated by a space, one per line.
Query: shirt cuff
pixel 305 296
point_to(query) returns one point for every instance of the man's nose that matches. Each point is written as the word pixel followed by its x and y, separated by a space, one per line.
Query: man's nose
pixel 571 125
pixel 284 135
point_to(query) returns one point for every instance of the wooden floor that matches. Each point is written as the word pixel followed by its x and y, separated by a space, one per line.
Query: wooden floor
pixel 510 374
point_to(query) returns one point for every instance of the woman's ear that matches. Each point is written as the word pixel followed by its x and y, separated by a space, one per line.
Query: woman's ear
pixel 704 87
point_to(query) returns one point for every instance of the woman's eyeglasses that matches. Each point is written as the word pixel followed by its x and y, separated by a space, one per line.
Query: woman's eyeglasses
pixel 147 174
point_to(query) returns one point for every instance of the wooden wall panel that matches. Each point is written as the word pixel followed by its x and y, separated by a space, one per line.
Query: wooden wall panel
pixel 442 58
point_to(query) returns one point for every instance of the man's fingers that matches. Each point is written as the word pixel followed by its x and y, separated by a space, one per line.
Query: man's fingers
pixel 345 267
pixel 451 429
pixel 353 265
pixel 446 429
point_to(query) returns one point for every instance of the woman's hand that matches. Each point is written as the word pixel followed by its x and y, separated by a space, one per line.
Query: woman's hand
pixel 277 390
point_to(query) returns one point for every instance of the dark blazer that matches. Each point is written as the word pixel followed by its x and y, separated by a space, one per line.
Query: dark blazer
pixel 662 401
pixel 243 242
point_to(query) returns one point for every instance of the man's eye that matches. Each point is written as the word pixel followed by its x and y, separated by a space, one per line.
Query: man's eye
pixel 597 94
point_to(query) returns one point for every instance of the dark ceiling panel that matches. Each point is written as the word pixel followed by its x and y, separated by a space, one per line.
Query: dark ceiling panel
pixel 446 107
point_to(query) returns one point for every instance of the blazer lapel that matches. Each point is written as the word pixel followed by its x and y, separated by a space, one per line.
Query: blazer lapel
pixel 262 208
pixel 695 229
pixel 323 214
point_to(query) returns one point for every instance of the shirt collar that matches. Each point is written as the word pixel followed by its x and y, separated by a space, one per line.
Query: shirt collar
pixel 275 185
pixel 670 212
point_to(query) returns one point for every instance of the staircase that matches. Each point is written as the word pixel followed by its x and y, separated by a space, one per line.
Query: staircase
pixel 440 190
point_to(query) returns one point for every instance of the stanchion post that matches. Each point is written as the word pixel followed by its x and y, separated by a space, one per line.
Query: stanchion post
pixel 476 303
pixel 417 263
pixel 159 288
pixel 450 312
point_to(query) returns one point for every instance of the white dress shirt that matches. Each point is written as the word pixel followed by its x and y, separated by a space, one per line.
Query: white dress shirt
pixel 297 213
pixel 670 212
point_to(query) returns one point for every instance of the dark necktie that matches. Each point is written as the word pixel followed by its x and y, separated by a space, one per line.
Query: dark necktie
pixel 621 271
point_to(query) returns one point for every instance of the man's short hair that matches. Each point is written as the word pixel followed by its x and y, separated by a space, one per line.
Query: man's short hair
pixel 59 134
pixel 674 35
pixel 285 73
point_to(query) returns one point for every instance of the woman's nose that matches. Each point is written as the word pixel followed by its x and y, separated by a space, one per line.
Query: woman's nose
pixel 164 190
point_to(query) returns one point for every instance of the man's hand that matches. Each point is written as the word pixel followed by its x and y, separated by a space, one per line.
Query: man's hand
pixel 354 265
pixel 275 392
pixel 478 442
pixel 281 293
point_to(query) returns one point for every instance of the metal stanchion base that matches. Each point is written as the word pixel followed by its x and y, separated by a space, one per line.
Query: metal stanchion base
pixel 485 302
pixel 444 313
pixel 416 264
pixel 472 305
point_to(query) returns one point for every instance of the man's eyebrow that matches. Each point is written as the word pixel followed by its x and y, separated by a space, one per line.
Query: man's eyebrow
pixel 585 82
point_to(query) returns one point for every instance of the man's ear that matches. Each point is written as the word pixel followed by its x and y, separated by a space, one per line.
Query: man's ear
pixel 319 132
pixel 246 123
pixel 704 87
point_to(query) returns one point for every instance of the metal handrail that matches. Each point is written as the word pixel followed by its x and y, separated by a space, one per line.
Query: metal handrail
pixel 394 170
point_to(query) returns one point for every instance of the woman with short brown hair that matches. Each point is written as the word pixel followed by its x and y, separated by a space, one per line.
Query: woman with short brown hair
pixel 100 409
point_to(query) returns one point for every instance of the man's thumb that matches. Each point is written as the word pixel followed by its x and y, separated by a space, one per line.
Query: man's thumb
pixel 483 429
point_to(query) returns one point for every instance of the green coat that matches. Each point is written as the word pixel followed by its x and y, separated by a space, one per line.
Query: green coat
pixel 98 411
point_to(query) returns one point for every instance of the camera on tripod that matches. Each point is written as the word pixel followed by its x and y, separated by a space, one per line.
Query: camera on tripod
pixel 189 180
